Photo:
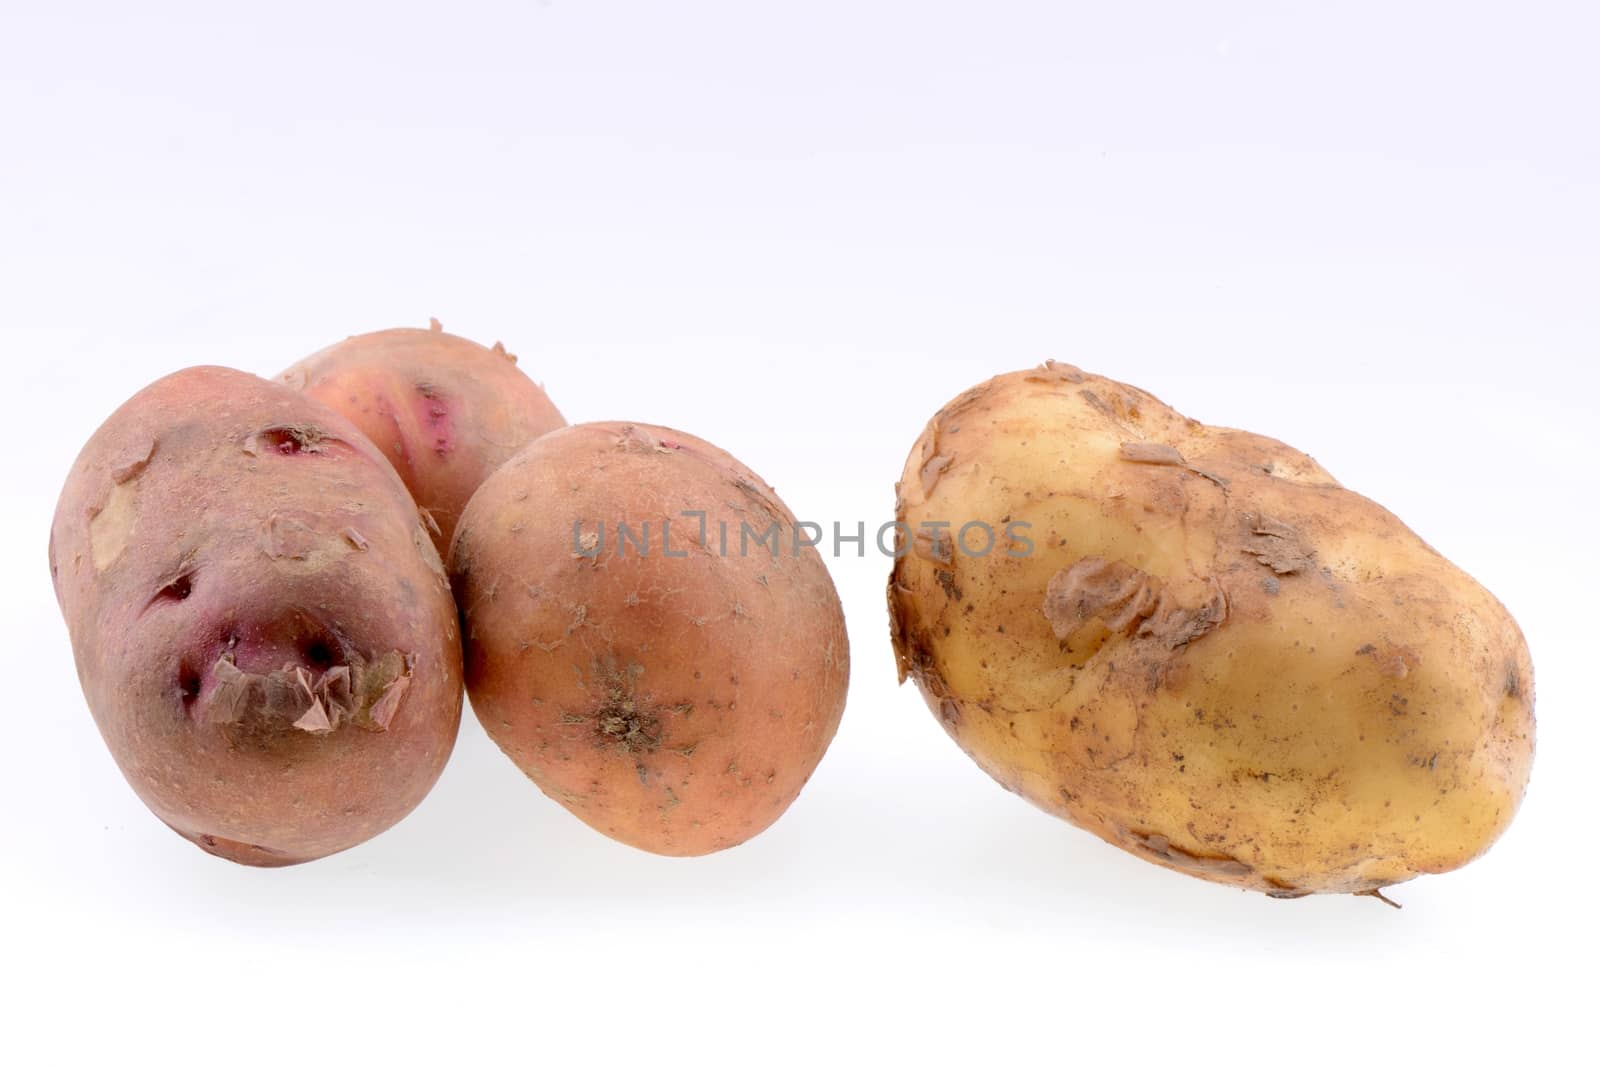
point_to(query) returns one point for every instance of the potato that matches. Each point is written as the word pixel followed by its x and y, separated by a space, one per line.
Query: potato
pixel 1196 644
pixel 445 411
pixel 672 684
pixel 262 627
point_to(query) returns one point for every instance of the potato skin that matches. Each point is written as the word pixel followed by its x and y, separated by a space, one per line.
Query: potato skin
pixel 1214 656
pixel 444 410
pixel 262 627
pixel 677 703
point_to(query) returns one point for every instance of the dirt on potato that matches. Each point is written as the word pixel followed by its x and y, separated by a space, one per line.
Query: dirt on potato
pixel 1208 652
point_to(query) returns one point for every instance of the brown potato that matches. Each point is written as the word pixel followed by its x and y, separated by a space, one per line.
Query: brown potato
pixel 445 411
pixel 1199 646
pixel 676 697
pixel 262 627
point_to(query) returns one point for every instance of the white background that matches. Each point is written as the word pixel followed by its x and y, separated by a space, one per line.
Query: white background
pixel 797 229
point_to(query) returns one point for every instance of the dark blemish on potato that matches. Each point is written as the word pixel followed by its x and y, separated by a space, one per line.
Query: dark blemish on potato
pixel 290 440
pixel 622 725
pixel 188 684
pixel 924 669
pixel 179 587
pixel 947 582
pixel 1154 676
pixel 177 590
pixel 1513 685
pixel 1393 661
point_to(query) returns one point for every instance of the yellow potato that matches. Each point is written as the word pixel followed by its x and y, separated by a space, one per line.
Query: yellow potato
pixel 1196 644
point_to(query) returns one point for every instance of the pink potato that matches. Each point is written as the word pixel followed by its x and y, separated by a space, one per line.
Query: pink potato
pixel 675 697
pixel 262 627
pixel 445 411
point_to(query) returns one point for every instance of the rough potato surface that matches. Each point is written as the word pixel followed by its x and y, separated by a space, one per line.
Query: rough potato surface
pixel 1201 647
pixel 675 698
pixel 445 411
pixel 262 627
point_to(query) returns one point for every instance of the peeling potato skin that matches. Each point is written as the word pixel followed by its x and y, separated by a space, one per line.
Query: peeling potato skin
pixel 245 581
pixel 1215 656
pixel 445 411
pixel 675 704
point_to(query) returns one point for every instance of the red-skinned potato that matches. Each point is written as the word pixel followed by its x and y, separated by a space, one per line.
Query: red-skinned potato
pixel 675 698
pixel 261 624
pixel 445 411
